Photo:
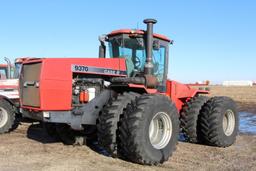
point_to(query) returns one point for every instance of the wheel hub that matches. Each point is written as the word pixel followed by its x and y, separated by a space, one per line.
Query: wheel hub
pixel 160 130
pixel 228 122
pixel 3 117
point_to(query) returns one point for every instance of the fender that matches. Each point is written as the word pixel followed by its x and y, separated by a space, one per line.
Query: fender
pixel 181 93
pixel 9 88
pixel 10 94
pixel 143 88
pixel 8 100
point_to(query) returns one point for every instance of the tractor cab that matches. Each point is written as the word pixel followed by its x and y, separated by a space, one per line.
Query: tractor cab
pixel 132 45
pixel 17 65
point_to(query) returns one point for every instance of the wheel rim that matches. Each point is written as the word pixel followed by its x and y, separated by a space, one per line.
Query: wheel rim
pixel 228 122
pixel 160 130
pixel 3 117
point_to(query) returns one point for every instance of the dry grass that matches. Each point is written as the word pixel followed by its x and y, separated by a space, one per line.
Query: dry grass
pixel 239 94
pixel 244 96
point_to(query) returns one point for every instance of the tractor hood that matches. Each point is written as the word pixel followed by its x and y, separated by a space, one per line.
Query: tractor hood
pixel 56 68
pixel 47 83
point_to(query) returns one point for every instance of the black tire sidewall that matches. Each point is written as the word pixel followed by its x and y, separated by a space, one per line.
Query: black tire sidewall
pixel 11 116
pixel 228 105
pixel 159 105
pixel 189 118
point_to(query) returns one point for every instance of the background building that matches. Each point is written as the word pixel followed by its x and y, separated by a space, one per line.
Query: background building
pixel 238 83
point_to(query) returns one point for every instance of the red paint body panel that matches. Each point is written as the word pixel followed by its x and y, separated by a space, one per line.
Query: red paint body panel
pixel 148 90
pixel 3 65
pixel 130 31
pixel 2 87
pixel 56 79
pixel 181 93
pixel 197 84
pixel 56 82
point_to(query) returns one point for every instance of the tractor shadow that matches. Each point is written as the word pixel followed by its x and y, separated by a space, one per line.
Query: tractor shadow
pixel 37 132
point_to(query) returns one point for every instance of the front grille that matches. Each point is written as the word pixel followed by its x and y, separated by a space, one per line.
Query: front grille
pixel 29 84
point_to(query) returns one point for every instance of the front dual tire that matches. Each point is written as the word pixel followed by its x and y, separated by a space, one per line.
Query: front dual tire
pixel 146 131
pixel 149 130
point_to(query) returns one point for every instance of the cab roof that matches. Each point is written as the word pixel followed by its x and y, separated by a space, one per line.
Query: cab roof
pixel 142 32
pixel 3 65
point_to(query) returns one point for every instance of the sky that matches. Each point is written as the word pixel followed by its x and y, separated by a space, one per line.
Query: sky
pixel 213 39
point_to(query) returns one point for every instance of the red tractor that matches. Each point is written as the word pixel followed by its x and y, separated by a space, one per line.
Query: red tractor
pixel 9 95
pixel 126 99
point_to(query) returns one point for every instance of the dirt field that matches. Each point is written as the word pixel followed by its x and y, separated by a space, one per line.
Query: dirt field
pixel 30 148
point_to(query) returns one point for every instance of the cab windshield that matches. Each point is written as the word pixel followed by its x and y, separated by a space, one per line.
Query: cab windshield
pixel 133 50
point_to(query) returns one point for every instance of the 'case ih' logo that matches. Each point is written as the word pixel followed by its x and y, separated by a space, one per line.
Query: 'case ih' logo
pixel 110 71
pixel 89 69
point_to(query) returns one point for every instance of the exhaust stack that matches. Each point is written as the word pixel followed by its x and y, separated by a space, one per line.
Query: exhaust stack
pixel 9 65
pixel 149 67
pixel 102 47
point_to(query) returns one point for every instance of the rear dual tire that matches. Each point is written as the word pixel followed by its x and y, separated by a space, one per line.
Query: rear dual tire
pixel 219 122
pixel 189 121
pixel 211 121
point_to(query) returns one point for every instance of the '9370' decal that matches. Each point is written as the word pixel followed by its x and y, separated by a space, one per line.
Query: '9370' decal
pixel 89 69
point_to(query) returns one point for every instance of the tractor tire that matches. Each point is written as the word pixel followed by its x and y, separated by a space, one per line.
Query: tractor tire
pixel 219 121
pixel 189 118
pixel 149 130
pixel 109 119
pixel 8 120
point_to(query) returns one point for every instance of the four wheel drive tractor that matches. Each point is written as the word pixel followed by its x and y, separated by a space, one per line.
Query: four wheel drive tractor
pixel 125 100
pixel 9 96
